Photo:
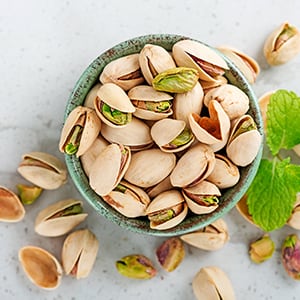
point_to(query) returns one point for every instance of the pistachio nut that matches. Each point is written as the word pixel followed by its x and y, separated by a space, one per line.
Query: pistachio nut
pixel 294 220
pixel 171 135
pixel 79 253
pixel 262 249
pixel 41 267
pixel 153 60
pixel 124 71
pixel 149 167
pixel 162 186
pixel 282 45
pixel 205 60
pixel 176 80
pixel 43 169
pixel 28 194
pixel 91 96
pixel 129 200
pixel 233 100
pixel 59 218
pixel 11 208
pixel 209 85
pixel 170 253
pixel 290 256
pixel 167 210
pixel 109 168
pixel 211 237
pixel 80 130
pixel 113 106
pixel 136 266
pixel 225 174
pixel 212 283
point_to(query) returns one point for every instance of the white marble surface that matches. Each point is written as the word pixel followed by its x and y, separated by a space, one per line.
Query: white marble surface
pixel 44 47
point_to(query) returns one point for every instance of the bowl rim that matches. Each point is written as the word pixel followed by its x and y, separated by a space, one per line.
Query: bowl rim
pixel 195 222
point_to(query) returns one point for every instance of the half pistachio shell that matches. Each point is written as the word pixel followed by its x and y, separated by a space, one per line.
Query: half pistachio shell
pixel 167 210
pixel 209 63
pixel 212 283
pixel 149 167
pixel 79 253
pixel 109 168
pixel 59 218
pixel 41 267
pixel 43 170
pixel 129 200
pixel 194 166
pixel 242 208
pixel 80 130
pixel 124 71
pixel 11 208
pixel 91 96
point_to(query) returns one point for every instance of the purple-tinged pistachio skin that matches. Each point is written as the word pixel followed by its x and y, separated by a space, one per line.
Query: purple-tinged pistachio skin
pixel 291 256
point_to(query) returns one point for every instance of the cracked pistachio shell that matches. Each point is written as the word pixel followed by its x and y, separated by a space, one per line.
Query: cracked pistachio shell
pixel 189 102
pixel 129 200
pixel 282 45
pixel 194 166
pixel 41 267
pixel 11 208
pixel 91 96
pixel 124 71
pixel 244 141
pixel 261 249
pixel 167 210
pixel 225 174
pixel 290 256
pixel 210 238
pixel 136 135
pixel 86 121
pixel 43 169
pixel 196 197
pixel 79 253
pixel 212 283
pixel 205 60
pixel 233 100
pixel 149 167
pixel 294 220
pixel 153 60
pixel 54 219
pixel 109 168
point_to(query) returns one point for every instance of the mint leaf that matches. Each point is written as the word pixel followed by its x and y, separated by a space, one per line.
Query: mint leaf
pixel 272 193
pixel 283 121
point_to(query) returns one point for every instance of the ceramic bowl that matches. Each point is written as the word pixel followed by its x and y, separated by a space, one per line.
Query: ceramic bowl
pixel 141 225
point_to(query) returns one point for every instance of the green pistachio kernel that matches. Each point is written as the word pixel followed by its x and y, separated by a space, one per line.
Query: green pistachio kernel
pixel 182 139
pixel 162 106
pixel 162 216
pixel 28 194
pixel 115 116
pixel 73 143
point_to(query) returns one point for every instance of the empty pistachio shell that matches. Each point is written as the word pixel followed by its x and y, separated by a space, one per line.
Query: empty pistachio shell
pixel 41 267
pixel 43 170
pixel 136 266
pixel 59 218
pixel 262 249
pixel 28 194
pixel 170 253
pixel 11 208
pixel 79 253
pixel 294 220
pixel 176 80
pixel 290 255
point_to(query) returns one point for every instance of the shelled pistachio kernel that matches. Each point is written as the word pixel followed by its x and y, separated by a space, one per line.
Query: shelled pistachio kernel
pixel 262 249
pixel 28 194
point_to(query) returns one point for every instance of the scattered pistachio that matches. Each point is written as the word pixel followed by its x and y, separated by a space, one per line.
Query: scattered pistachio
pixel 290 256
pixel 262 249
pixel 28 194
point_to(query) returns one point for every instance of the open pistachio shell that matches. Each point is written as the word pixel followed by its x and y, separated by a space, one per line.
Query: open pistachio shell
pixel 294 220
pixel 11 208
pixel 209 85
pixel 136 135
pixel 209 63
pixel 41 267
pixel 109 168
pixel 162 186
pixel 202 198
pixel 149 103
pixel 166 210
pixel 91 96
pixel 194 166
pixel 59 218
pixel 149 167
pixel 129 200
pixel 124 71
pixel 79 253
pixel 43 170
pixel 171 135
pixel 80 130
pixel 211 283
pixel 154 59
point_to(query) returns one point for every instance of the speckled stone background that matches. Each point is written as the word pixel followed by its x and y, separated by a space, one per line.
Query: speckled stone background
pixel 44 48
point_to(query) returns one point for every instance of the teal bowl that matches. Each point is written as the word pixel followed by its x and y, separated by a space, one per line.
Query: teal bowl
pixel 141 225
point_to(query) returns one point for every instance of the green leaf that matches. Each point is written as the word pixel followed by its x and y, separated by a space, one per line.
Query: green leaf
pixel 272 193
pixel 283 121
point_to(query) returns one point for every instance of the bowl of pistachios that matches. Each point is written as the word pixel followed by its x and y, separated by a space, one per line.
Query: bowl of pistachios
pixel 162 134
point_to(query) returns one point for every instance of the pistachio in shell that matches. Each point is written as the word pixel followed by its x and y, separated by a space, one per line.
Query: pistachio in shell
pixel 162 186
